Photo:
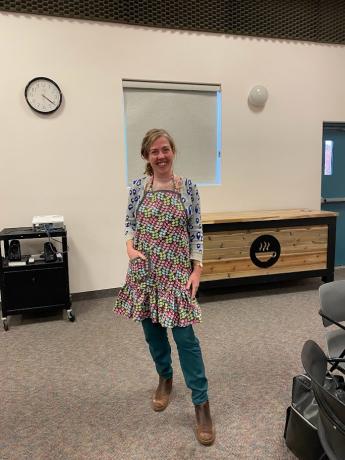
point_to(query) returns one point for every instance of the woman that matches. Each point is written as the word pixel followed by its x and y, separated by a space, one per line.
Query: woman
pixel 164 246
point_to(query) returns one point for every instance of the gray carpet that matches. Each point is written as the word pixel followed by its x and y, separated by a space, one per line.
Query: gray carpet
pixel 82 390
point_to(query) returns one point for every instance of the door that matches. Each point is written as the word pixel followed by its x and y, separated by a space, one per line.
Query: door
pixel 30 289
pixel 333 181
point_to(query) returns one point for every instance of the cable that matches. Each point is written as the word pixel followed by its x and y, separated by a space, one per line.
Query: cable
pixel 50 239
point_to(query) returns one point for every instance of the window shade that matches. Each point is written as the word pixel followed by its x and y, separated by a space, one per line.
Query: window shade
pixel 188 112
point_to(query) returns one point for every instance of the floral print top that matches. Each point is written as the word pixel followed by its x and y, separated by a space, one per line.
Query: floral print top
pixel 191 202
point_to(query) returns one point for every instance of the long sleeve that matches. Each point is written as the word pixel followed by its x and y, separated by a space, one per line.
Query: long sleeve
pixel 130 221
pixel 194 222
pixel 135 194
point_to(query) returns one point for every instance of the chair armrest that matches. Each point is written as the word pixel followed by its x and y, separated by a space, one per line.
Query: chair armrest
pixel 331 320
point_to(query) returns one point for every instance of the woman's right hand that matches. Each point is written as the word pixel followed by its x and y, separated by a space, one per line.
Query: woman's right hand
pixel 133 253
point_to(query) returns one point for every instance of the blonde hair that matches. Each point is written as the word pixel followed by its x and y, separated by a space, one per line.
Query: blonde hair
pixel 150 137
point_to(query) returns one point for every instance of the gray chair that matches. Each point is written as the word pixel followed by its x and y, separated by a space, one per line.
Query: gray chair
pixel 331 417
pixel 332 311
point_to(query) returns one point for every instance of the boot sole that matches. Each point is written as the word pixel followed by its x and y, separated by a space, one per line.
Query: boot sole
pixel 158 408
pixel 206 443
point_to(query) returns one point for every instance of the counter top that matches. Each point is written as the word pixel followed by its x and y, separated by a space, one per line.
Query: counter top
pixel 277 214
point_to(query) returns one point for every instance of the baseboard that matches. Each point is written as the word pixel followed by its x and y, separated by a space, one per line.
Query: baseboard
pixel 100 294
pixel 103 293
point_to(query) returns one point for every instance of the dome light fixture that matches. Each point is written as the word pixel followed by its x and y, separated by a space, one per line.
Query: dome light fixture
pixel 258 96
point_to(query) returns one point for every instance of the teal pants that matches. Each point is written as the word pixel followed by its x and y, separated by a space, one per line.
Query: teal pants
pixel 189 351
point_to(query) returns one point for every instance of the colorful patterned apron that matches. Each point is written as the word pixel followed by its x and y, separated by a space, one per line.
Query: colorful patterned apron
pixel 156 288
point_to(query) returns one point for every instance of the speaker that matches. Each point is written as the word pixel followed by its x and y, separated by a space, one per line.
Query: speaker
pixel 49 252
pixel 14 252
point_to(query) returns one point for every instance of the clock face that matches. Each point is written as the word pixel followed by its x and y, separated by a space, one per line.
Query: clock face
pixel 43 95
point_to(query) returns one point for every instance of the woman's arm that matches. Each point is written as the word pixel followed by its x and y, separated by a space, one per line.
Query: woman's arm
pixel 194 223
pixel 195 237
pixel 131 221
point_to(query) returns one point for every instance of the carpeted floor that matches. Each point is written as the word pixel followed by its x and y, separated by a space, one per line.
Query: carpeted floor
pixel 82 390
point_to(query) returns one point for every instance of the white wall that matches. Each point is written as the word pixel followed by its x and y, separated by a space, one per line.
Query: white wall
pixel 72 163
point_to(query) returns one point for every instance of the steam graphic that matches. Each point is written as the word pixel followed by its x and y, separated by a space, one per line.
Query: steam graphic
pixel 264 246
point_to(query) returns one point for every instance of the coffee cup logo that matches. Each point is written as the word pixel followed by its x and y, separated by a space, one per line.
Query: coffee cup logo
pixel 265 251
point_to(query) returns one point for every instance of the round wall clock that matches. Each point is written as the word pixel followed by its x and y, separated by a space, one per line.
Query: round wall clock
pixel 43 95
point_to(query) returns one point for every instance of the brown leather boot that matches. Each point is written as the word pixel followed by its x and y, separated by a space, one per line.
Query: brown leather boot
pixel 204 428
pixel 161 396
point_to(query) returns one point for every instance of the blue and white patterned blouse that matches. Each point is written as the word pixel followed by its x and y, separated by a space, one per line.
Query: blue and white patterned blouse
pixel 191 201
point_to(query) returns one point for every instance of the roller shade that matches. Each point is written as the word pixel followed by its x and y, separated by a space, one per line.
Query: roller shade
pixel 189 112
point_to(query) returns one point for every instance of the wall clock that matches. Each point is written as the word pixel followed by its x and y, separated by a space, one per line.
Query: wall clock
pixel 43 95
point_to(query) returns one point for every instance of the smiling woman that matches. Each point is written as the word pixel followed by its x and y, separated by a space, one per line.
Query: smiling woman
pixel 165 247
pixel 158 148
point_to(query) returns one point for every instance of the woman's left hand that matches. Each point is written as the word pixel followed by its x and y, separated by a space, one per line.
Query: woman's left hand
pixel 194 281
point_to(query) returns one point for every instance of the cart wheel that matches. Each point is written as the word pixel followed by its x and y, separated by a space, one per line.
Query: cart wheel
pixel 5 323
pixel 70 315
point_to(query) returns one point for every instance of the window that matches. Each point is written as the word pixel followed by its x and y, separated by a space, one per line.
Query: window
pixel 328 168
pixel 191 113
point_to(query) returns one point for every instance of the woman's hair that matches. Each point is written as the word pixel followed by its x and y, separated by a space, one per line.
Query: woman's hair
pixel 150 137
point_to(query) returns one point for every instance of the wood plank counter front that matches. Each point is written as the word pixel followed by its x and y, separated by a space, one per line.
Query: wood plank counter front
pixel 262 246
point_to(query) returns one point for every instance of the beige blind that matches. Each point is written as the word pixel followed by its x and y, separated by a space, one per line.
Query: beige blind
pixel 189 112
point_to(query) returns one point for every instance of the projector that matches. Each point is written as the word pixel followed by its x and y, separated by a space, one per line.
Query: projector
pixel 47 223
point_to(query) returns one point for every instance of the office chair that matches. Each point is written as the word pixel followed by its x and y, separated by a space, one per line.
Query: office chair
pixel 332 311
pixel 331 419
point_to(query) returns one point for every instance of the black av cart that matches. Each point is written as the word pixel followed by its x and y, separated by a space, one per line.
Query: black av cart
pixel 34 283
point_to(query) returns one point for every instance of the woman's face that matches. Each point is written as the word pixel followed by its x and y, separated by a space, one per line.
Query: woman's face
pixel 161 156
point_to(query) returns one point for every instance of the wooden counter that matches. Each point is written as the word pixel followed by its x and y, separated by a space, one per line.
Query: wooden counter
pixel 262 246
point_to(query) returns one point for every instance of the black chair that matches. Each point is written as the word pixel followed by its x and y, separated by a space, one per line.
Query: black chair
pixel 332 311
pixel 331 419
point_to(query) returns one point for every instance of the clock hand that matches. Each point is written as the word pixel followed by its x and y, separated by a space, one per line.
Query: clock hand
pixel 45 97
